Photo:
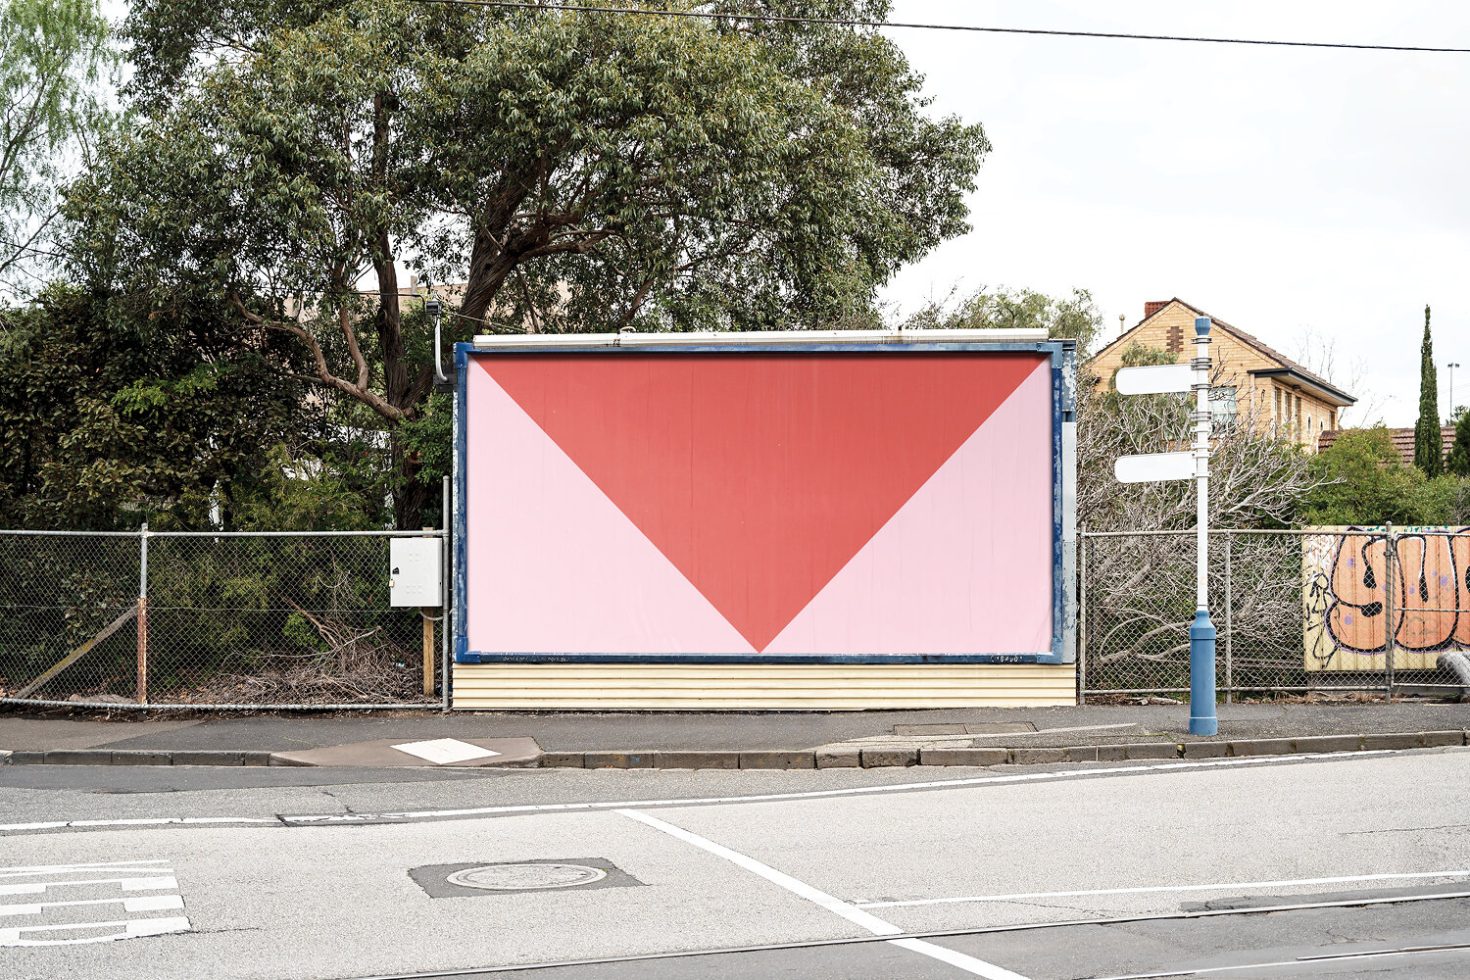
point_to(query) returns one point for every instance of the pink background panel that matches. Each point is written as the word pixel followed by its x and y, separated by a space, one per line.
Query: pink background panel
pixel 553 565
pixel 965 566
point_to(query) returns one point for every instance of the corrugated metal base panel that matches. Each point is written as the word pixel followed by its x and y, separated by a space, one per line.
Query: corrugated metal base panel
pixel 761 686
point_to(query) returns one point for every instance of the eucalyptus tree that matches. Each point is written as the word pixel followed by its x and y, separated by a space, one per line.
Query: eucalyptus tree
pixel 54 58
pixel 574 171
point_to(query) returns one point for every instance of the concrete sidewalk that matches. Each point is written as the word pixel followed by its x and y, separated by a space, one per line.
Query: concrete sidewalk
pixel 955 736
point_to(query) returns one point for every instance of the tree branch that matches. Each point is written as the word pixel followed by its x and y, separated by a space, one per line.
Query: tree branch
pixel 324 375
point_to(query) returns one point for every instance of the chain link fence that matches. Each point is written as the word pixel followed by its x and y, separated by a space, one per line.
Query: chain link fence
pixel 301 620
pixel 1379 610
pixel 221 620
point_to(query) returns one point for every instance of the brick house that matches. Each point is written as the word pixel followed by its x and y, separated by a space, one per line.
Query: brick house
pixel 1252 379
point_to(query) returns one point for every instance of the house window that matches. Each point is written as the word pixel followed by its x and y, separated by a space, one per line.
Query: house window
pixel 1222 404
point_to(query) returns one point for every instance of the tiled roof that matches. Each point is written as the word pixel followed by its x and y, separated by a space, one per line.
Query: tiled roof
pixel 1403 441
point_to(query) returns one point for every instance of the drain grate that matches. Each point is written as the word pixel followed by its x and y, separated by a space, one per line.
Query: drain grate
pixel 482 879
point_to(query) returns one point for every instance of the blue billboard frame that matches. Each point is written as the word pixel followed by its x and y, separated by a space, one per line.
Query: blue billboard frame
pixel 1062 357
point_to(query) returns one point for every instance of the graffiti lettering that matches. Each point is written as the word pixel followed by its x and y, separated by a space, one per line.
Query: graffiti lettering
pixel 1356 596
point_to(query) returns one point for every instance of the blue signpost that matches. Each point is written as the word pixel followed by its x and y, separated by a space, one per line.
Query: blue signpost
pixel 1202 718
pixel 1187 465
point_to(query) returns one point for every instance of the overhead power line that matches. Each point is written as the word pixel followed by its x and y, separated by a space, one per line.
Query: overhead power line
pixel 919 26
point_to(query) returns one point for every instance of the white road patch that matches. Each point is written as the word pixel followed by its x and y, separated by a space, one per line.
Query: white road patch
pixel 309 820
pixel 848 911
pixel 445 751
pixel 82 895
pixel 1234 886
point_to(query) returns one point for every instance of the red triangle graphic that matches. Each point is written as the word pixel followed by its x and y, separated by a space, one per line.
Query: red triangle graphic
pixel 759 475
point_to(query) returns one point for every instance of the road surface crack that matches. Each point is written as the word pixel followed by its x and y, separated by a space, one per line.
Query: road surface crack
pixel 1048 905
pixel 1405 830
pixel 346 810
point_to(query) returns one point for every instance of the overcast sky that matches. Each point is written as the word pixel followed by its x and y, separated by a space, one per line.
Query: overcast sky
pixel 1289 192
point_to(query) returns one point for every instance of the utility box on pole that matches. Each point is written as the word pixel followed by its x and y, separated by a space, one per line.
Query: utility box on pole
pixel 415 577
pixel 765 520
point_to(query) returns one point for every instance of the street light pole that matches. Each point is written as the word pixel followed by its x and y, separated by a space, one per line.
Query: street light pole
pixel 1202 716
pixel 1452 365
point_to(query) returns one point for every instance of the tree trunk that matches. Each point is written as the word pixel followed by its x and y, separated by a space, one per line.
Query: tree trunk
pixel 411 496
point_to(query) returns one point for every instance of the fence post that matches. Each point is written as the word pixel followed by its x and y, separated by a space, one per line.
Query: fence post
pixel 1081 616
pixel 1229 623
pixel 425 614
pixel 1390 558
pixel 446 542
pixel 142 678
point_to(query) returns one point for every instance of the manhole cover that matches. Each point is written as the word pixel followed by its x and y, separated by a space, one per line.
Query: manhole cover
pixel 477 879
pixel 523 877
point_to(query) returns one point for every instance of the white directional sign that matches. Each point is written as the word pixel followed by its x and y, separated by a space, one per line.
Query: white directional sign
pixel 1156 379
pixel 1149 467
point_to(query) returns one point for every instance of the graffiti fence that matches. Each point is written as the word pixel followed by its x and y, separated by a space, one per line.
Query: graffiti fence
pixel 1377 609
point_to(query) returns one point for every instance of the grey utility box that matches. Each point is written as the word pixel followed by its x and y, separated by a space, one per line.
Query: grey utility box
pixel 416 572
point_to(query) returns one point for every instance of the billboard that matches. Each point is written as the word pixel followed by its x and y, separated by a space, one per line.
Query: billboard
pixel 830 499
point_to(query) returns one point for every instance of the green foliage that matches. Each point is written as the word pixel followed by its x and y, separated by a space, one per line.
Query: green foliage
pixel 579 172
pixel 1363 480
pixel 431 438
pixel 54 54
pixel 1459 458
pixel 337 484
pixel 1137 355
pixel 1442 500
pixel 1428 444
pixel 108 417
pixel 1072 317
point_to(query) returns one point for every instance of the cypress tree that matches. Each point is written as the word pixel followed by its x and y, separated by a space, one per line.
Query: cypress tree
pixel 1428 447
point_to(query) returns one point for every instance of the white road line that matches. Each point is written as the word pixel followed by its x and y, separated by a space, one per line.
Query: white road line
pixel 122 876
pixel 1221 886
pixel 134 822
pixel 47 869
pixel 853 914
pixel 139 903
pixel 132 928
pixel 305 820
pixel 22 871
pixel 127 884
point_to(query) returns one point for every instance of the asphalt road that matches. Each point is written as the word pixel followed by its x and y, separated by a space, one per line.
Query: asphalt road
pixel 1349 866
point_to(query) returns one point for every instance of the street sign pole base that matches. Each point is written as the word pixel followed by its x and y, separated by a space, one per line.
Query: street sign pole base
pixel 1202 717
